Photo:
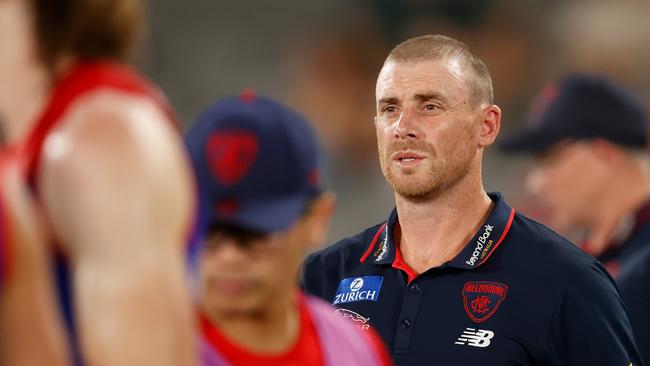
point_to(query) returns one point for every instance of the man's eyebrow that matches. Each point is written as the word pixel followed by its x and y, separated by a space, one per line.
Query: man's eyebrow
pixel 430 96
pixel 419 96
pixel 387 100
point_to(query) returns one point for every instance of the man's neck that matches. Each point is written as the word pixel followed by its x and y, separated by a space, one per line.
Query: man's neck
pixel 272 330
pixel 434 231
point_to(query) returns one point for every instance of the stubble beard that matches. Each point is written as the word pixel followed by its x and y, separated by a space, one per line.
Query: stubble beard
pixel 425 183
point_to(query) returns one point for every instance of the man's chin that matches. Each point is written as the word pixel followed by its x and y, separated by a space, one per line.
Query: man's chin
pixel 414 193
pixel 237 308
pixel 412 186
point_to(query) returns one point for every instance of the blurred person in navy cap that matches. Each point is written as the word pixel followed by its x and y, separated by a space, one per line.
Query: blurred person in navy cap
pixel 592 170
pixel 262 208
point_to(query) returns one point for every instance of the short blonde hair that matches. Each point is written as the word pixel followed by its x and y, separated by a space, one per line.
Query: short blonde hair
pixel 436 47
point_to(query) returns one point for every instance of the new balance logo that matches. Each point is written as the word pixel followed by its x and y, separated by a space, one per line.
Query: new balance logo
pixel 475 338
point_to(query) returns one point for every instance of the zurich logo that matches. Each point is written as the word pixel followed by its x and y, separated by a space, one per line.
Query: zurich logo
pixel 354 289
pixel 356 285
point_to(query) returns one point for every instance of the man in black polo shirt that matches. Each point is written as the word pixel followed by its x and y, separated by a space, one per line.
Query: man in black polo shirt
pixel 454 276
pixel 633 282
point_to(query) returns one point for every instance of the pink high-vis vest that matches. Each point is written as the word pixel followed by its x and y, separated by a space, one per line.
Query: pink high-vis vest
pixel 341 342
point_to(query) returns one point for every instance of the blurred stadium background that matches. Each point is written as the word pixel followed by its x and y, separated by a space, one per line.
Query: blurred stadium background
pixel 322 57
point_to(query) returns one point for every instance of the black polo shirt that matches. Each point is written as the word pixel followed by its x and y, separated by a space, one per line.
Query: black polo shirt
pixel 634 283
pixel 622 251
pixel 517 294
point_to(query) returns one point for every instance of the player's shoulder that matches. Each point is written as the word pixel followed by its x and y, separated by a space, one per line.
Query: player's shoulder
pixel 90 93
pixel 110 141
pixel 347 250
pixel 109 109
pixel 109 126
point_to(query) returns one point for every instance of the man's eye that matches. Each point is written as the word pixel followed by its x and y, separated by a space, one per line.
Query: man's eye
pixel 431 107
pixel 389 109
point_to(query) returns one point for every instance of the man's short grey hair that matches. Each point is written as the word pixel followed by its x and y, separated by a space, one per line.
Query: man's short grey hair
pixel 437 47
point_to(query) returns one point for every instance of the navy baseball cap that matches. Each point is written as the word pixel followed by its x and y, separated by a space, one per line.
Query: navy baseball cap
pixel 581 106
pixel 257 164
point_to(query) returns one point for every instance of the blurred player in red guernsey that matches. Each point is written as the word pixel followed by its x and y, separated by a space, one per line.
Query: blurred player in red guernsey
pixel 31 331
pixel 103 159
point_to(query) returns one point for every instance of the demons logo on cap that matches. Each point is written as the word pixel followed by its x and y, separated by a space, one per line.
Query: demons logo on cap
pixel 482 299
pixel 231 154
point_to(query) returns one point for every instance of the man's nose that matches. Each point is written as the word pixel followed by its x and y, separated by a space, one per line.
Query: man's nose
pixel 232 251
pixel 406 126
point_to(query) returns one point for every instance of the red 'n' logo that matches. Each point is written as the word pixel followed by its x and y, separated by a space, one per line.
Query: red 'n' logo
pixel 231 154
pixel 482 299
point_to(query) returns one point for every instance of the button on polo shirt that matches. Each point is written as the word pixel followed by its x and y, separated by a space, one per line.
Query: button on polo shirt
pixel 516 294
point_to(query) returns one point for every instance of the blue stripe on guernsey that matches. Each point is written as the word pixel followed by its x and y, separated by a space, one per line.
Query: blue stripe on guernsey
pixel 358 289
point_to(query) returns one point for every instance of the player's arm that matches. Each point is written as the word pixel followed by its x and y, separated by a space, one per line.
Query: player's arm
pixel 31 329
pixel 117 190
pixel 590 326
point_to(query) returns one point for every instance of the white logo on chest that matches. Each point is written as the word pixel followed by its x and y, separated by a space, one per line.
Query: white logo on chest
pixel 356 285
pixel 475 338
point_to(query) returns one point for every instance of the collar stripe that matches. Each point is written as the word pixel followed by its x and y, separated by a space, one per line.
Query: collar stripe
pixel 372 244
pixel 503 236
pixel 400 264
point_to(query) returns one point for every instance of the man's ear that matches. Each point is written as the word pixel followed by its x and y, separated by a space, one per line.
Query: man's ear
pixel 490 125
pixel 319 218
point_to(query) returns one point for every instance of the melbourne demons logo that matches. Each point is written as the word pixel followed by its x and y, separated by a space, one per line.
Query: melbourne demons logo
pixel 231 154
pixel 482 299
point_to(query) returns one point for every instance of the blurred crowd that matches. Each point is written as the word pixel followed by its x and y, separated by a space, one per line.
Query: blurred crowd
pixel 322 58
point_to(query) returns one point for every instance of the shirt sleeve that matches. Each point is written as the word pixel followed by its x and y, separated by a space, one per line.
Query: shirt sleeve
pixel 633 282
pixel 590 325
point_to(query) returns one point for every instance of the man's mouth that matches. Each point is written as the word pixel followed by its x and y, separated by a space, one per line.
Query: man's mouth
pixel 231 286
pixel 408 158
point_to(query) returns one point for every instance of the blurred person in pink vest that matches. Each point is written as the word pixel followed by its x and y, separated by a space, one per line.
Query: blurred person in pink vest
pixel 262 207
